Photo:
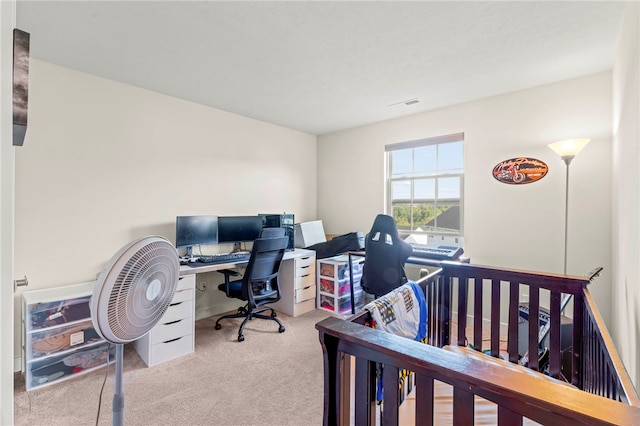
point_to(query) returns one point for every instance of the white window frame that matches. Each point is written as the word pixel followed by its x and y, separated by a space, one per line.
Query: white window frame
pixel 413 176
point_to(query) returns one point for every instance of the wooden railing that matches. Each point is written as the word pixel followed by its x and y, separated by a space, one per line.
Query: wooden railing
pixel 580 352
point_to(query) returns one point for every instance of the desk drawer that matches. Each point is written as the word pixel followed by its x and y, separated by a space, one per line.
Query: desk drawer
pixel 305 271
pixel 168 331
pixel 165 351
pixel 186 282
pixel 305 261
pixel 304 281
pixel 181 296
pixel 178 311
pixel 307 293
pixel 305 266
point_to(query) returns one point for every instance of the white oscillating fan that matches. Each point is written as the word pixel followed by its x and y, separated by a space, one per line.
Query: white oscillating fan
pixel 130 297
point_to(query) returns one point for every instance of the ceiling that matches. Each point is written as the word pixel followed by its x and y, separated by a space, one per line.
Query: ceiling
pixel 324 66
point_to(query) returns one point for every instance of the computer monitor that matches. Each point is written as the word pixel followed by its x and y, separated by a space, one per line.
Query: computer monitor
pixel 236 229
pixel 285 220
pixel 196 230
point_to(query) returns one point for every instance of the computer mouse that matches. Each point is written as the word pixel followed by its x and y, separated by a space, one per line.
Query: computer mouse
pixel 193 259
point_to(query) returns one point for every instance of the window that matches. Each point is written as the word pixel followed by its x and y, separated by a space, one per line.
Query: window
pixel 425 185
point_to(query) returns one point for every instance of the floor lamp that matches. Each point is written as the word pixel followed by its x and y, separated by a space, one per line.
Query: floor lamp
pixel 567 150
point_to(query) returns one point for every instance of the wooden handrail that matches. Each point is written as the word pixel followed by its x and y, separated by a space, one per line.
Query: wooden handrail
pixel 541 399
pixel 626 391
pixel 594 367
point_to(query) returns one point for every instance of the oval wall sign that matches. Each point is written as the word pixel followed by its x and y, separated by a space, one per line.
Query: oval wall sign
pixel 520 170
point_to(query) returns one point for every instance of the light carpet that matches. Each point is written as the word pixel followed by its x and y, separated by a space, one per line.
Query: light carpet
pixel 269 379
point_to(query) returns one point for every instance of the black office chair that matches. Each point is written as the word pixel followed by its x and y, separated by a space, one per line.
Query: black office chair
pixel 260 284
pixel 272 232
pixel 385 255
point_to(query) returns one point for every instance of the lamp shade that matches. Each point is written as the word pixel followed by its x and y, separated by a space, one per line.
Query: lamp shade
pixel 569 147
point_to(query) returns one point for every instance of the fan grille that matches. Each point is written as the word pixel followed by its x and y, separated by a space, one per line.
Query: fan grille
pixel 138 288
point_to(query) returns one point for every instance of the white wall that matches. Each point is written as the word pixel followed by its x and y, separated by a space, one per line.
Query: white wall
pixel 518 226
pixel 105 163
pixel 626 193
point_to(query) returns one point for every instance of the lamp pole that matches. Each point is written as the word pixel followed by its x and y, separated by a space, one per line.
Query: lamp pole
pixel 567 160
pixel 567 150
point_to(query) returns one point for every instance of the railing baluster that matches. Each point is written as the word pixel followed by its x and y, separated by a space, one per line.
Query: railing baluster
pixel 495 317
pixel 424 400
pixel 477 314
pixel 365 392
pixel 331 378
pixel 554 335
pixel 578 324
pixel 390 394
pixel 507 417
pixel 512 339
pixel 463 409
pixel 463 300
pixel 446 311
pixel 534 326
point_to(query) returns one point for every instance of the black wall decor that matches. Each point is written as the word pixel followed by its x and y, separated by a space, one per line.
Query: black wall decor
pixel 20 85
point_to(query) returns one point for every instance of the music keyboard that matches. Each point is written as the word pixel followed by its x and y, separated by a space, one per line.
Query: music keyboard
pixel 436 252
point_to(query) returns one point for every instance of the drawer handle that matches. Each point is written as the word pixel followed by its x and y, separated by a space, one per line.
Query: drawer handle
pixel 173 340
pixel 305 258
pixel 176 304
pixel 172 322
pixel 305 266
pixel 307 288
pixel 302 276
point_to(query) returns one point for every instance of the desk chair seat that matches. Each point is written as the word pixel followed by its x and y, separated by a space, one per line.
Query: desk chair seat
pixel 260 284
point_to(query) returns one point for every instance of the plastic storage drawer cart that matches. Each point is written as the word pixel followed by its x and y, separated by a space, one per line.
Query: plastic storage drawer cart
pixel 333 283
pixel 59 339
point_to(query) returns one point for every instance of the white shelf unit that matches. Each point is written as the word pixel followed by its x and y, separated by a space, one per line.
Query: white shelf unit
pixel 297 283
pixel 174 335
pixel 60 341
pixel 333 282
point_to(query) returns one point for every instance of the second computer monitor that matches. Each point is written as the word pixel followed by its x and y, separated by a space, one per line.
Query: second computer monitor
pixel 235 229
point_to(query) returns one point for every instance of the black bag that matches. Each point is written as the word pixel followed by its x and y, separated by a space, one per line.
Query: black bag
pixel 352 241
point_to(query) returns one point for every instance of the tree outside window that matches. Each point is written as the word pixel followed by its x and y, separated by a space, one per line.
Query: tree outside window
pixel 425 185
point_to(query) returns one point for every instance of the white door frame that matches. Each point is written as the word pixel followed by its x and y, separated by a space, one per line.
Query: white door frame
pixel 7 152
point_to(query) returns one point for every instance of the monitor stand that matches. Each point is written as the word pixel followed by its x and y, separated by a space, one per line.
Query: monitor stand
pixel 237 246
pixel 189 253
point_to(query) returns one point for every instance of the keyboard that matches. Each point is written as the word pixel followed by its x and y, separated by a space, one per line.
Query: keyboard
pixel 224 258
pixel 436 252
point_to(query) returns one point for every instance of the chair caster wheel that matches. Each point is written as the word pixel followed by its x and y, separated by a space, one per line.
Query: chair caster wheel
pixel 281 329
pixel 218 327
pixel 240 338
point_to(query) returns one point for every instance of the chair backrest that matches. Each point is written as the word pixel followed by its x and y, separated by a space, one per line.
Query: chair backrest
pixel 264 267
pixel 385 255
pixel 272 232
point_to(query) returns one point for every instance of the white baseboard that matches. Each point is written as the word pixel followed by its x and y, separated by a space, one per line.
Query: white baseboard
pixel 214 310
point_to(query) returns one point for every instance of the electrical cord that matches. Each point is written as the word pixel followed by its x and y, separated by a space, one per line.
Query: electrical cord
pixel 106 374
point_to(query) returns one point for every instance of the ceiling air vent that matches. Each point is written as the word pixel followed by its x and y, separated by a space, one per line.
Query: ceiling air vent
pixel 406 102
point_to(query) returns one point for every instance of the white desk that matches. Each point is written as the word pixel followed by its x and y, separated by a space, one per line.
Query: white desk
pixel 174 335
pixel 297 279
pixel 198 268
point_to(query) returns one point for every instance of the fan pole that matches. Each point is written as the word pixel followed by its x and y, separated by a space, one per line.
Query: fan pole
pixel 118 396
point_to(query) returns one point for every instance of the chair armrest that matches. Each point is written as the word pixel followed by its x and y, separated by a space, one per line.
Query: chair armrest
pixel 229 273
